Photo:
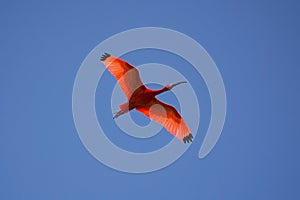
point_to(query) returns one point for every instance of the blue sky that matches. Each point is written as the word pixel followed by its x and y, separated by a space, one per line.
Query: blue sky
pixel 255 45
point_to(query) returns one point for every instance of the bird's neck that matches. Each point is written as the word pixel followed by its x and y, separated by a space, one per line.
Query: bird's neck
pixel 157 92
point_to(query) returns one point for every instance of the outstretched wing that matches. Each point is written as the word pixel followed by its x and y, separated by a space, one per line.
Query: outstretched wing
pixel 169 117
pixel 127 76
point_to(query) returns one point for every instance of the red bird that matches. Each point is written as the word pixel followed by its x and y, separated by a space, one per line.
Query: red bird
pixel 143 99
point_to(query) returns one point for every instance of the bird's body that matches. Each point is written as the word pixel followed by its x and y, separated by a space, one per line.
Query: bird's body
pixel 144 99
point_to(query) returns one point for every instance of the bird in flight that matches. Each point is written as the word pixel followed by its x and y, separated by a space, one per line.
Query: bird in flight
pixel 144 99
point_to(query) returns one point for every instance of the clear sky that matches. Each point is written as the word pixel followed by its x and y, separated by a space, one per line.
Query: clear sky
pixel 255 45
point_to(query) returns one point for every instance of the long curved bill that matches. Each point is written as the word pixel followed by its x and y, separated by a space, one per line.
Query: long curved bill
pixel 173 85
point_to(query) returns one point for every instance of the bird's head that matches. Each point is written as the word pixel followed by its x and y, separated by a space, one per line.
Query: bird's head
pixel 170 86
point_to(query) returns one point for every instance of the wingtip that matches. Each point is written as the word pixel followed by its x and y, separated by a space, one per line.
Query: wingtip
pixel 188 139
pixel 104 56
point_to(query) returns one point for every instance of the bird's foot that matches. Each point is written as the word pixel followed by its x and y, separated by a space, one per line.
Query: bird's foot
pixel 117 114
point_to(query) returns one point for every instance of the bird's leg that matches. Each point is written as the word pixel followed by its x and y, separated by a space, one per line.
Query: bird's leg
pixel 117 114
pixel 124 109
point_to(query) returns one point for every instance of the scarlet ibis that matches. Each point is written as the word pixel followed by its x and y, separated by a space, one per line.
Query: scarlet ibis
pixel 144 99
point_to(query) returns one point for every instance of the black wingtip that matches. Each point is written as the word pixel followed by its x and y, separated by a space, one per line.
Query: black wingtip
pixel 104 56
pixel 188 139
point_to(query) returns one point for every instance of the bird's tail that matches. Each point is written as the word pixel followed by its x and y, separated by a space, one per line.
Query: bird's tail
pixel 124 109
pixel 124 106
